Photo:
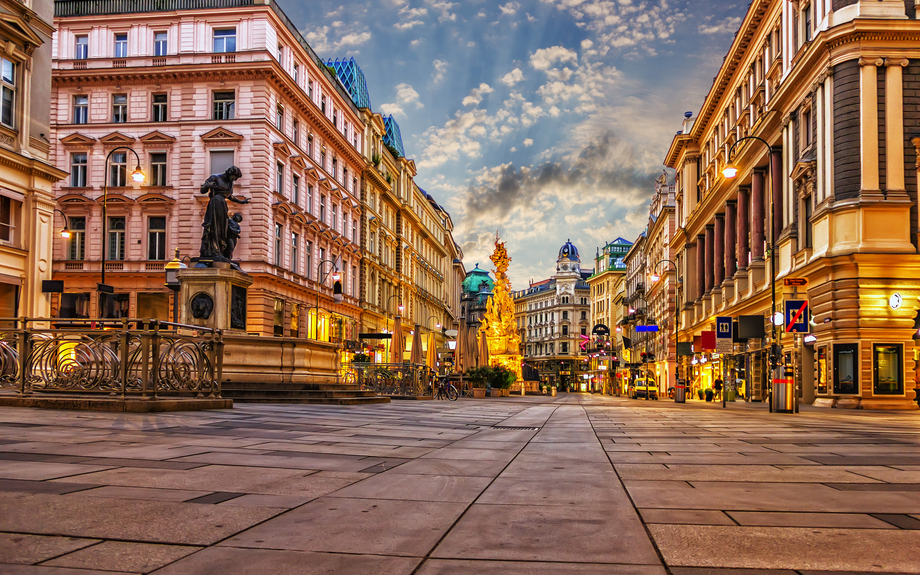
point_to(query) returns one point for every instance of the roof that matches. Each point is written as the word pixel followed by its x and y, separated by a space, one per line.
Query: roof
pixel 352 78
pixel 393 137
pixel 474 279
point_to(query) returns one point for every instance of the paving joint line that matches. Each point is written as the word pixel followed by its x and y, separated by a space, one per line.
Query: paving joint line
pixel 444 535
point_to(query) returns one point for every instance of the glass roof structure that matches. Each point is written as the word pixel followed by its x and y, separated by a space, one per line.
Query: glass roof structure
pixel 393 138
pixel 352 78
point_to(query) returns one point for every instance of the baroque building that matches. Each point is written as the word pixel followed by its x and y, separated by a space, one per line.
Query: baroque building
pixel 27 174
pixel 662 280
pixel 826 197
pixel 605 284
pixel 557 326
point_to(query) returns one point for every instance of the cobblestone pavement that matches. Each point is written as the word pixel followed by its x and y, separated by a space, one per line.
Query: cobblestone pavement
pixel 573 484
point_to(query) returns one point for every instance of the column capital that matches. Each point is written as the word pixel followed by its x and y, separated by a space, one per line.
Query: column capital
pixel 872 62
pixel 902 62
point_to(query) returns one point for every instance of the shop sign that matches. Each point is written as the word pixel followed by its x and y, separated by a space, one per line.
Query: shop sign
pixel 724 334
pixel 797 316
pixel 707 341
pixel 565 373
pixel 795 282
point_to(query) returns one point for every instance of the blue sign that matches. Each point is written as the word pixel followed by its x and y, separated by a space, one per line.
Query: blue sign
pixel 723 327
pixel 797 316
pixel 641 328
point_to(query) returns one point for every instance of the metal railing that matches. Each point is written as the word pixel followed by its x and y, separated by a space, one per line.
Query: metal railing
pixel 394 379
pixel 65 8
pixel 128 357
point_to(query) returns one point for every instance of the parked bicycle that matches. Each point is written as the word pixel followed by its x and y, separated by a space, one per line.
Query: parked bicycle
pixel 446 390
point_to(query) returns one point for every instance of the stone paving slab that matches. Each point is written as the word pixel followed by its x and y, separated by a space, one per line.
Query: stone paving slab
pixel 838 520
pixel 27 549
pixel 224 560
pixel 457 567
pixel 122 556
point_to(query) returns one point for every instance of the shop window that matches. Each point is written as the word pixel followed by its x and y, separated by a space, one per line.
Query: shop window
pixel 821 382
pixel 295 320
pixel 153 305
pixel 74 305
pixel 115 305
pixel 846 368
pixel 9 300
pixel 279 317
pixel 887 363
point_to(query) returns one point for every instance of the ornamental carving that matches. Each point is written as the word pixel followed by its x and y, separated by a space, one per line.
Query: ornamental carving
pixel 498 324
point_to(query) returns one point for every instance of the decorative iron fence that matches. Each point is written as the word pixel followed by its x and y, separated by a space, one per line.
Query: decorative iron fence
pixel 394 379
pixel 127 357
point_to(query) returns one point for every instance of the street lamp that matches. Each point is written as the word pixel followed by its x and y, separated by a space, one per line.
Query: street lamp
pixel 730 171
pixel 172 281
pixel 65 232
pixel 322 281
pixel 137 176
pixel 655 278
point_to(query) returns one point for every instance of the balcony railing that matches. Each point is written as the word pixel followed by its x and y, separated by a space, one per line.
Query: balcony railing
pixel 69 8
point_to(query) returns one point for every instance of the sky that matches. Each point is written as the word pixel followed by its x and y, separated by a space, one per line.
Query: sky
pixel 541 120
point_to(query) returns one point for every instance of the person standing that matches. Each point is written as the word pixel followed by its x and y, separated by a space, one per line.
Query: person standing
pixel 717 387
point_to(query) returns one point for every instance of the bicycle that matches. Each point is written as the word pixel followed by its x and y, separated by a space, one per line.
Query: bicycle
pixel 446 390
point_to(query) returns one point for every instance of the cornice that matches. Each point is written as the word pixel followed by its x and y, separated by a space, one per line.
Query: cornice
pixel 31 166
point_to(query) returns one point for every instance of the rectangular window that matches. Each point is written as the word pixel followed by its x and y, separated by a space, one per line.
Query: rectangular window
pixel 335 168
pixel 565 330
pixel 354 231
pixel 335 217
pixel 887 369
pixel 160 45
pixel 565 314
pixel 220 161
pixel 584 315
pixel 296 133
pixel 78 170
pixel 116 239
pixel 119 108
pixel 310 146
pixel 80 109
pixel 310 199
pixel 822 371
pixel 77 228
pixel 322 105
pixel 295 252
pixel 371 241
pixel 322 209
pixel 279 179
pixel 354 283
pixel 74 305
pixel 160 108
pixel 807 223
pixel 807 18
pixel 279 233
pixel 296 73
pixel 846 368
pixel 81 47
pixel 121 46
pixel 309 88
pixel 279 318
pixel 158 169
pixel 279 118
pixel 118 170
pixel 296 190
pixel 7 92
pixel 308 270
pixel 225 40
pixel 156 238
pixel 224 103
pixel 8 213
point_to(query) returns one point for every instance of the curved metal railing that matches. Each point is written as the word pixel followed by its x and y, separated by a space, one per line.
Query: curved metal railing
pixel 395 379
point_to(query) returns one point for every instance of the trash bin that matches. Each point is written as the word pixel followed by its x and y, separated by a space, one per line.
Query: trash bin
pixel 729 395
pixel 680 391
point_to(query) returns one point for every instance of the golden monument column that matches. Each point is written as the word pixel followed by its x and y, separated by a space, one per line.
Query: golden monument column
pixel 498 326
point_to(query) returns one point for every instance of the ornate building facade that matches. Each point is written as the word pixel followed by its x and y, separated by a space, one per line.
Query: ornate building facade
pixel 827 196
pixel 27 228
pixel 605 284
pixel 557 323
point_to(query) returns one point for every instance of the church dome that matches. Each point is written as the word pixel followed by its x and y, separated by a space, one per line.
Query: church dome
pixel 474 280
pixel 568 251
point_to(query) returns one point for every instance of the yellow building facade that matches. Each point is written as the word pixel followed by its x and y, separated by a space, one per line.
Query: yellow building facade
pixel 819 102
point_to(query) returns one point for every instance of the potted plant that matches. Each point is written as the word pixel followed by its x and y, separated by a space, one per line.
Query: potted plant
pixel 361 357
pixel 479 380
pixel 709 395
pixel 700 393
pixel 501 378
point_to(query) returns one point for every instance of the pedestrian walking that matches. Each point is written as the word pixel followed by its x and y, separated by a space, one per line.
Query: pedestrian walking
pixel 717 387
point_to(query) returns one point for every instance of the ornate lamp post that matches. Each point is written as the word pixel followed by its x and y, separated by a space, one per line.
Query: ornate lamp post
pixel 322 280
pixel 65 231
pixel 137 176
pixel 172 281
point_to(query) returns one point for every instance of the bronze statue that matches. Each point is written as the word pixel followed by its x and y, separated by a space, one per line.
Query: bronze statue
pixel 215 237
pixel 233 234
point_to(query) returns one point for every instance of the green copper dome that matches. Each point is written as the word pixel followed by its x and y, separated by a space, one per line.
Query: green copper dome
pixel 474 279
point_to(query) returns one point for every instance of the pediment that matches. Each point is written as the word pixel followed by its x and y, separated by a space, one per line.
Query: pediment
pixel 74 200
pixel 299 216
pixel 297 160
pixel 157 138
pixel 221 136
pixel 78 140
pixel 802 169
pixel 282 149
pixel 14 26
pixel 283 207
pixel 115 200
pixel 117 139
pixel 343 194
pixel 153 199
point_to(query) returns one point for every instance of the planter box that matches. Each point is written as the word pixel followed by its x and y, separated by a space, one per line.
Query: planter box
pixel 495 393
pixel 479 392
pixel 506 393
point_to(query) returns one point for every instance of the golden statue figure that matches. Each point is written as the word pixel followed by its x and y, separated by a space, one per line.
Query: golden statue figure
pixel 498 325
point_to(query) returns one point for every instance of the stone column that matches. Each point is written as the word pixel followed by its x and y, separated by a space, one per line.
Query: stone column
pixel 742 233
pixel 868 122
pixel 718 252
pixel 776 183
pixel 700 266
pixel 758 215
pixel 894 123
pixel 709 257
pixel 730 245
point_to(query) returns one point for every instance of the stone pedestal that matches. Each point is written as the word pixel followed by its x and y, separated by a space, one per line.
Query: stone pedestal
pixel 214 297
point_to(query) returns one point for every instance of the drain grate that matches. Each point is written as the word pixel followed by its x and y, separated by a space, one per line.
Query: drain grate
pixel 512 428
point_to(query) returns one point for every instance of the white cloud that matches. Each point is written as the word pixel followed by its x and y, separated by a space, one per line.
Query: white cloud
pixel 476 94
pixel 543 58
pixel 408 25
pixel 412 12
pixel 319 39
pixel 393 110
pixel 512 77
pixel 513 149
pixel 405 96
pixel 354 39
pixel 726 26
pixel 510 8
pixel 444 8
pixel 528 143
pixel 440 70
